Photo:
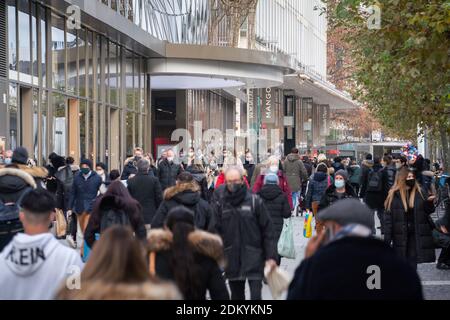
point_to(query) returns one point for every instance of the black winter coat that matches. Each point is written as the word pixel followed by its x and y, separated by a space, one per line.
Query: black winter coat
pixel 247 234
pixel 375 200
pixel 187 195
pixel 278 206
pixel 331 196
pixel 147 191
pixel 318 184
pixel 208 256
pixel 107 203
pixel 200 178
pixel 168 173
pixel 13 184
pixel 84 192
pixel 396 229
pixel 129 169
pixel 339 271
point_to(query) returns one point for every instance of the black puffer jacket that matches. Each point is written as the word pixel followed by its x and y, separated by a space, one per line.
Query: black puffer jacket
pixel 208 255
pixel 13 184
pixel 375 199
pixel 247 233
pixel 396 228
pixel 168 173
pixel 278 206
pixel 187 195
pixel 107 203
pixel 129 168
pixel 331 196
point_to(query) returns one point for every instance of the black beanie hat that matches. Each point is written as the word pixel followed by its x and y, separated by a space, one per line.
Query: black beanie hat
pixel 86 162
pixel 20 155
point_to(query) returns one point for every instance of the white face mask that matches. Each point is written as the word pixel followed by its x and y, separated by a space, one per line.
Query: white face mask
pixel 170 159
pixel 100 172
pixel 398 165
pixel 191 154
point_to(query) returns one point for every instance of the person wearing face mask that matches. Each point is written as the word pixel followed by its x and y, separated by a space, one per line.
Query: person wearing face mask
pixel 408 228
pixel 337 260
pixel 168 171
pixel 130 167
pixel 86 185
pixel 341 189
pixel 8 157
pixel 274 168
pixel 244 224
pixel 249 164
pixel 100 168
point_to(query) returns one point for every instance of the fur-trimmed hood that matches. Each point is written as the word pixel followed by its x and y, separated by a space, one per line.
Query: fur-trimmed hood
pixel 99 290
pixel 203 242
pixel 35 172
pixel 180 188
pixel 17 173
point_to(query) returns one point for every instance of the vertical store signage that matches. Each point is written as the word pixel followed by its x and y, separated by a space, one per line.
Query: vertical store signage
pixel 268 111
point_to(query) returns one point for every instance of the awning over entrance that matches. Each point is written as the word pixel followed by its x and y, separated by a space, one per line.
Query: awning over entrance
pixel 209 67
pixel 321 92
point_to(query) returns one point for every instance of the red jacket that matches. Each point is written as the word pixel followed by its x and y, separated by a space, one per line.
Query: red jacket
pixel 221 180
pixel 282 183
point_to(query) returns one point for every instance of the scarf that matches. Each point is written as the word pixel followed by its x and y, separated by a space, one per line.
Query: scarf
pixel 236 198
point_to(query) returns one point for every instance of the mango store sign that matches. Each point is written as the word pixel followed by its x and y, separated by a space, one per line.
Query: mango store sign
pixel 268 116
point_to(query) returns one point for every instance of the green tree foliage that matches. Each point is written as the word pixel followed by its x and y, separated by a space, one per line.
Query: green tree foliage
pixel 402 68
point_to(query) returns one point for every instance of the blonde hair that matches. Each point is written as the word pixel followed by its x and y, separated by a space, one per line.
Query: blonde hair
pixel 400 186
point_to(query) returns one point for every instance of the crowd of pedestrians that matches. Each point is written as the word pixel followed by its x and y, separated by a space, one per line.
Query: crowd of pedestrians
pixel 192 228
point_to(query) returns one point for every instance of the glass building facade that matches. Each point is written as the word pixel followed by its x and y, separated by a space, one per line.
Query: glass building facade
pixel 75 92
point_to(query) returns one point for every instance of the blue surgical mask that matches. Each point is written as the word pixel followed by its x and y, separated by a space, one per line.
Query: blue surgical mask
pixel 339 184
pixel 8 161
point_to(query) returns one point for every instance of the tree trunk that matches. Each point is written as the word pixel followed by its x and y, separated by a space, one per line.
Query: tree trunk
pixel 445 141
pixel 251 36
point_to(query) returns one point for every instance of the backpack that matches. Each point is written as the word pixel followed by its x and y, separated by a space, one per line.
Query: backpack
pixel 113 217
pixel 65 176
pixel 10 223
pixel 375 181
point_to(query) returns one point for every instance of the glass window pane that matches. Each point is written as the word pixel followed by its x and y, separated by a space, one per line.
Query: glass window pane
pixel 106 137
pixel 59 124
pixel 129 133
pixel 82 61
pixel 83 117
pixel 129 80
pixel 34 46
pixel 113 85
pixel 90 56
pixel 12 38
pixel 100 121
pixel 35 124
pixel 91 124
pixel 71 38
pixel 44 113
pixel 43 33
pixel 58 56
pixel 99 66
pixel 13 117
pixel 24 42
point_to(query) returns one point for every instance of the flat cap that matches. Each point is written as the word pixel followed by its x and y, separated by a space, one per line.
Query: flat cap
pixel 348 211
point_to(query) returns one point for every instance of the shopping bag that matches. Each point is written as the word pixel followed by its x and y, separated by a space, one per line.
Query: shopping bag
pixel 278 281
pixel 307 226
pixel 61 224
pixel 286 247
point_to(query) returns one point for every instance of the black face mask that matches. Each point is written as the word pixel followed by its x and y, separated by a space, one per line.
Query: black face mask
pixel 235 187
pixel 137 158
pixel 411 183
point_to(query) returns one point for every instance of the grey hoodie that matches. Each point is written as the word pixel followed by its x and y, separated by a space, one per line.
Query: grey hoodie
pixel 34 267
